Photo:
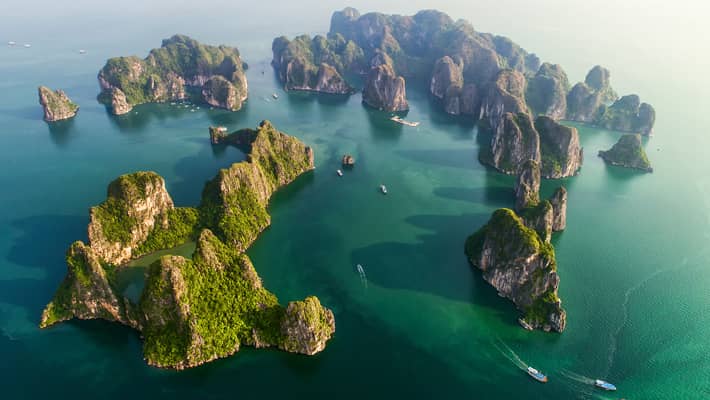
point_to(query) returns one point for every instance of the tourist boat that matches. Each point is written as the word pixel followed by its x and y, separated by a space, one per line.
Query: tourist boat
pixel 28 45
pixel 275 96
pixel 604 385
pixel 82 51
pixel 11 43
pixel 383 189
pixel 537 375
pixel 399 120
pixel 339 172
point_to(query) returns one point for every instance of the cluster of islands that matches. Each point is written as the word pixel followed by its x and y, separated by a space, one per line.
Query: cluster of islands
pixel 194 310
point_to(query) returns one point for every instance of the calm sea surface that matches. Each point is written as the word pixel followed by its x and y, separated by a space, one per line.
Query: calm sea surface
pixel 634 261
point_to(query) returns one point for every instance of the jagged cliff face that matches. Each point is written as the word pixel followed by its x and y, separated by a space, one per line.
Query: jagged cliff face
pixel 447 74
pixel 135 204
pixel 317 64
pixel 56 104
pixel 504 95
pixel 306 327
pixel 512 144
pixel 628 152
pixel 521 266
pixel 115 99
pixel 562 153
pixel 86 293
pixel 559 209
pixel 384 90
pixel 221 93
pixel 628 114
pixel 527 186
pixel 585 99
pixel 547 91
pixel 163 75
pixel 195 310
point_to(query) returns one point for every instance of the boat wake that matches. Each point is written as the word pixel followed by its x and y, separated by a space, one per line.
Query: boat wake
pixel 363 277
pixel 577 377
pixel 511 355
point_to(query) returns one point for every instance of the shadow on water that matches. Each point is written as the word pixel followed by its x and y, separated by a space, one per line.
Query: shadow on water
pixel 436 264
pixel 458 126
pixel 381 128
pixel 464 158
pixel 622 174
pixel 195 170
pixel 489 195
pixel 61 132
pixel 231 119
pixel 143 114
pixel 44 239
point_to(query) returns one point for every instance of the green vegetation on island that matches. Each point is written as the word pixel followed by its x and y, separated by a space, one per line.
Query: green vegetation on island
pixel 168 73
pixel 194 310
pixel 56 105
pixel 628 152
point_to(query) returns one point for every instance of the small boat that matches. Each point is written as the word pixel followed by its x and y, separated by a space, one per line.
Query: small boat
pixel 360 270
pixel 537 375
pixel 82 51
pixel 383 189
pixel 399 120
pixel 604 385
pixel 27 45
pixel 339 172
pixel 275 96
pixel 11 43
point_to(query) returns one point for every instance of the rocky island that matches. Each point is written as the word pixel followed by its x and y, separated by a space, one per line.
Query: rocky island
pixel 515 254
pixel 195 310
pixel 179 68
pixel 484 77
pixel 628 152
pixel 56 104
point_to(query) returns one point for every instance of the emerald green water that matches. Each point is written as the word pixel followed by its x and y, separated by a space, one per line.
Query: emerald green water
pixel 634 261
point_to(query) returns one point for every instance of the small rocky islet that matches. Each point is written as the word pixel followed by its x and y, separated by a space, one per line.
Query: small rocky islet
pixel 56 105
pixel 194 310
pixel 628 152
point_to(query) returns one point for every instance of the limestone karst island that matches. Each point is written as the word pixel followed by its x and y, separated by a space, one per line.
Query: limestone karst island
pixel 420 200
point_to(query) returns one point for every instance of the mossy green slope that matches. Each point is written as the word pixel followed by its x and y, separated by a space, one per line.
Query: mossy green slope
pixel 194 310
pixel 521 266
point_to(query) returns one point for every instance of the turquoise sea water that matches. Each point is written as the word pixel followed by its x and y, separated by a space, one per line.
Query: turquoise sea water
pixel 634 261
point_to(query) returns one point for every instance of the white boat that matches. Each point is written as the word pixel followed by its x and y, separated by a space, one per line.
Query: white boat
pixel 537 375
pixel 339 172
pixel 383 189
pixel 604 385
pixel 11 43
pixel 82 51
pixel 275 96
pixel 28 45
pixel 399 120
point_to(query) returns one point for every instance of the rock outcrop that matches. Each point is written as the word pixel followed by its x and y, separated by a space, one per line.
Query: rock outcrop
pixel 527 185
pixel 164 74
pixel 192 311
pixel 56 104
pixel 447 83
pixel 513 143
pixel 86 293
pixel 384 90
pixel 135 204
pixel 628 152
pixel 559 209
pixel 585 99
pixel 240 193
pixel 306 327
pixel 348 160
pixel 521 266
pixel 503 96
pixel 317 64
pixel 628 114
pixel 561 151
pixel 546 92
